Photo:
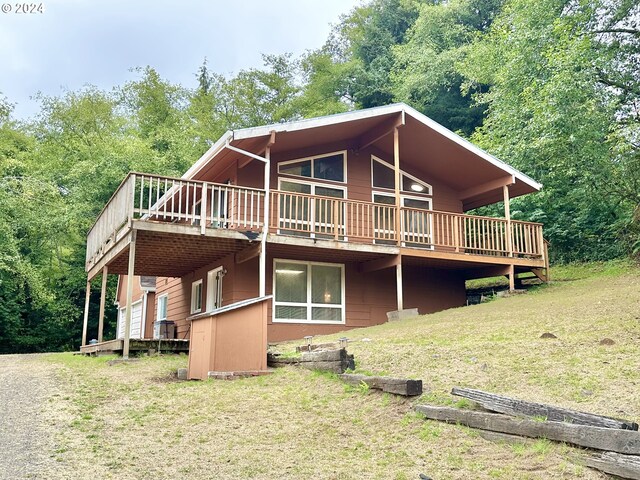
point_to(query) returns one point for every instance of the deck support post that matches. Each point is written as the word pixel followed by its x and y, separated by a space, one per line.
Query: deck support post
pixel 507 215
pixel 399 285
pixel 512 278
pixel 396 170
pixel 86 313
pixel 103 298
pixel 130 273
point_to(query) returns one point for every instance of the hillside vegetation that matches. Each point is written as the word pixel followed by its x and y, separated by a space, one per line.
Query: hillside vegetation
pixel 136 420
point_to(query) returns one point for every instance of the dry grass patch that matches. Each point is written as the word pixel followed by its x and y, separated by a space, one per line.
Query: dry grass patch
pixel 134 420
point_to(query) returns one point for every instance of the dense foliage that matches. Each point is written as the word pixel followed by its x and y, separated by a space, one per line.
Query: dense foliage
pixel 550 86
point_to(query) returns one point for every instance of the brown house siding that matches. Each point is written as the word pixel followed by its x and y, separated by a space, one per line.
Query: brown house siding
pixel 367 301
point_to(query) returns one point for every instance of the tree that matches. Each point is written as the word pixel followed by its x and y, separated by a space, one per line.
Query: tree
pixel 425 72
pixel 549 116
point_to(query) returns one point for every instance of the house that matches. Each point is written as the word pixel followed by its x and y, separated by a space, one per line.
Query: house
pixel 332 222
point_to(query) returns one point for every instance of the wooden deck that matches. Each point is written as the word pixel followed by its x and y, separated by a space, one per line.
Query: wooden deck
pixel 136 345
pixel 180 225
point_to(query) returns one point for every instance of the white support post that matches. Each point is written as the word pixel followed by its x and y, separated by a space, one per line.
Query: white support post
pixel 86 313
pixel 399 285
pixel 265 227
pixel 103 298
pixel 130 273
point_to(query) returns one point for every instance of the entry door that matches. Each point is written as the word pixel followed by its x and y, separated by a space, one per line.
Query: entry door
pixel 416 220
pixel 214 288
pixel 310 216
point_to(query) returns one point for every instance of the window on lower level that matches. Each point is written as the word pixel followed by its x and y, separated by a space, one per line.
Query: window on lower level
pixel 308 292
pixel 196 296
pixel 162 307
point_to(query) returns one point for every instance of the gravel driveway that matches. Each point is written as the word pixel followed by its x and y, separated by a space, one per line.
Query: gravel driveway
pixel 27 433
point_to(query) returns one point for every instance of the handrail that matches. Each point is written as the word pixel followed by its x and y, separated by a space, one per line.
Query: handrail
pixel 356 220
pixel 159 198
pixel 162 198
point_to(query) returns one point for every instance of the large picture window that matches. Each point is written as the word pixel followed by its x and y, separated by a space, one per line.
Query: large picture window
pixel 330 167
pixel 308 292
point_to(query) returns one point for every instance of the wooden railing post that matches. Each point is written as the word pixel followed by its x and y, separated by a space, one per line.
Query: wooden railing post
pixel 456 232
pixel 133 197
pixel 507 215
pixel 203 209
pixel 336 220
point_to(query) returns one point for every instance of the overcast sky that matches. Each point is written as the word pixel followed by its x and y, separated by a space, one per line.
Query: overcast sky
pixel 79 42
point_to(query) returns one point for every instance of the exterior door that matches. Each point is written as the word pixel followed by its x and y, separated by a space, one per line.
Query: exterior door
pixel 309 216
pixel 416 220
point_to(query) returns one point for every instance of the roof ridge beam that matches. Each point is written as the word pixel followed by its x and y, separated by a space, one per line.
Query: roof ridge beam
pixel 380 131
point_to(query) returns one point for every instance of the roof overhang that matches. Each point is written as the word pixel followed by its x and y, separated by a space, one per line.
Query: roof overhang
pixel 425 146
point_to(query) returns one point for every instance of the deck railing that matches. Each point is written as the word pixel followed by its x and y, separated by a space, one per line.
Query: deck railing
pixel 175 200
pixel 365 222
pixel 212 205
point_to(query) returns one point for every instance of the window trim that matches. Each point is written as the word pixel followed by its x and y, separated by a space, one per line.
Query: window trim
pixel 308 304
pixel 165 297
pixel 194 287
pixel 312 158
pixel 429 192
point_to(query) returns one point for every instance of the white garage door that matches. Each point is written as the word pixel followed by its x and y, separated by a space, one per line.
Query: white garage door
pixel 136 321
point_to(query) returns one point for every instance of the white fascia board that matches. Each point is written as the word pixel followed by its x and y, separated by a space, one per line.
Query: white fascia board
pixel 471 147
pixel 208 155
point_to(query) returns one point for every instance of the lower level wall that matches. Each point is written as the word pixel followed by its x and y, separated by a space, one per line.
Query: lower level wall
pixel 369 296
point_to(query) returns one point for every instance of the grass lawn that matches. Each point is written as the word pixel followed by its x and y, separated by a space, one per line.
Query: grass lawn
pixel 135 421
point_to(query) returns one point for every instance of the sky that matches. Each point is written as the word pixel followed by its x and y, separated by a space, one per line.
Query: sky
pixel 97 42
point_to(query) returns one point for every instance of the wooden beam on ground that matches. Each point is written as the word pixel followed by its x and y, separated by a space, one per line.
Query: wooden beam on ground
pixel 380 263
pixel 625 466
pixel 512 406
pixel 103 298
pixel 385 128
pixel 621 441
pixel 398 386
pixel 130 274
pixel 487 187
pixel 85 322
pixel 248 253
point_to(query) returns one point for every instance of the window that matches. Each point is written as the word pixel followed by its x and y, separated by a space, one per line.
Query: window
pixel 162 306
pixel 196 296
pixel 330 167
pixel 383 176
pixel 308 292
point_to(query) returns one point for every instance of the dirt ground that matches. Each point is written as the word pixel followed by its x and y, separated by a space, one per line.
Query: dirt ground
pixel 27 424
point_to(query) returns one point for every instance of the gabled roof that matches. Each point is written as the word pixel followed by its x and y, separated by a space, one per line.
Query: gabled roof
pixel 424 143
